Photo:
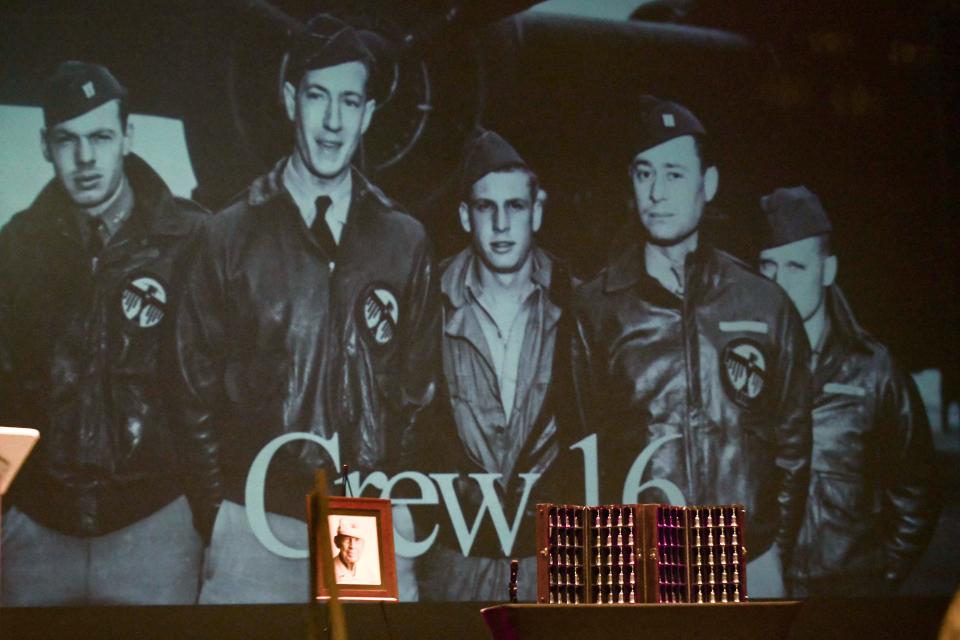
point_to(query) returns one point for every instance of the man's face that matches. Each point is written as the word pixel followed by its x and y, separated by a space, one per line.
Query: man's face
pixel 802 271
pixel 330 112
pixel 350 548
pixel 671 189
pixel 87 154
pixel 501 215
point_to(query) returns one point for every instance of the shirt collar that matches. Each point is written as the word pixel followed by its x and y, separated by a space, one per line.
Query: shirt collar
pixel 305 193
pixel 459 321
pixel 628 267
pixel 843 324
pixel 661 268
pixel 112 213
pixel 462 284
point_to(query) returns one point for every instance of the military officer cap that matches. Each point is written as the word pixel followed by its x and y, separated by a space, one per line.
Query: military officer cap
pixel 326 42
pixel 793 214
pixel 348 527
pixel 662 120
pixel 76 88
pixel 485 152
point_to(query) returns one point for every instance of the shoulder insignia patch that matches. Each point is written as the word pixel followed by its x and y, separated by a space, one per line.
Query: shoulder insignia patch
pixel 379 313
pixel 744 372
pixel 144 301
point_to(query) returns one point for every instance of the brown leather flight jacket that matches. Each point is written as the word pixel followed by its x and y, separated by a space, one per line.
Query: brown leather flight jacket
pixel 712 387
pixel 275 336
pixel 873 499
pixel 82 358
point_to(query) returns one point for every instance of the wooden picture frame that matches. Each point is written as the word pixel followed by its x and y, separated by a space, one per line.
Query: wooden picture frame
pixel 360 534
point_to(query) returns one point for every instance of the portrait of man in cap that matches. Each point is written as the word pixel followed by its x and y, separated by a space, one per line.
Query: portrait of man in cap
pixel 312 312
pixel 89 274
pixel 691 368
pixel 873 498
pixel 351 565
pixel 503 300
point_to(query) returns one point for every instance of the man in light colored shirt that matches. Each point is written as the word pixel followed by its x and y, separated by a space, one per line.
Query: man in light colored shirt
pixel 350 566
pixel 503 300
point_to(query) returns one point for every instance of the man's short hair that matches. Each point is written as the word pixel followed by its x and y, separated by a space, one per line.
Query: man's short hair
pixel 78 87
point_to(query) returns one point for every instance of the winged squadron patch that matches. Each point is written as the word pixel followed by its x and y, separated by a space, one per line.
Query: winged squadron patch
pixel 744 371
pixel 144 301
pixel 379 313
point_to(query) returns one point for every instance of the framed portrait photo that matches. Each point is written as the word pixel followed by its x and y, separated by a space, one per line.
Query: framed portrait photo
pixel 360 536
pixel 15 445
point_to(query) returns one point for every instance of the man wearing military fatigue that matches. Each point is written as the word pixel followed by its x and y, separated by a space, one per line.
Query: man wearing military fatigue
pixel 504 298
pixel 691 368
pixel 311 314
pixel 873 501
pixel 88 275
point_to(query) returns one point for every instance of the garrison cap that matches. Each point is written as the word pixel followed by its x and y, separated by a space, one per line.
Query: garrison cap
pixel 76 88
pixel 660 121
pixel 485 152
pixel 326 42
pixel 348 527
pixel 793 214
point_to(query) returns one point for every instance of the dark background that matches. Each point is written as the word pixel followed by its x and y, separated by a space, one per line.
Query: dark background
pixel 855 99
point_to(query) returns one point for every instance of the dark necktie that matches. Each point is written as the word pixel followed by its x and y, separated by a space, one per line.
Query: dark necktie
pixel 320 228
pixel 95 242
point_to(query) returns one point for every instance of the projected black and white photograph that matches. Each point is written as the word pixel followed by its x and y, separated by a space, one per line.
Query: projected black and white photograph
pixel 356 549
pixel 472 257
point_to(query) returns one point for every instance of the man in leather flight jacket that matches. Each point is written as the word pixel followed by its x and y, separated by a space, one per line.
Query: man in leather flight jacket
pixel 873 500
pixel 312 313
pixel 89 274
pixel 692 369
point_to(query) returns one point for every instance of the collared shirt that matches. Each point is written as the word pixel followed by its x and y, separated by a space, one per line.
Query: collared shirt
pixel 817 349
pixel 305 194
pixel 112 214
pixel 362 572
pixel 663 269
pixel 341 573
pixel 505 343
pixel 498 399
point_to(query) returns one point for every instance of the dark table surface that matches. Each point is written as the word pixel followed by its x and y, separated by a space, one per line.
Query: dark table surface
pixel 857 619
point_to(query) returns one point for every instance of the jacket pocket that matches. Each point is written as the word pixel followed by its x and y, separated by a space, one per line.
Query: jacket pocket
pixel 839 529
pixel 841 496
